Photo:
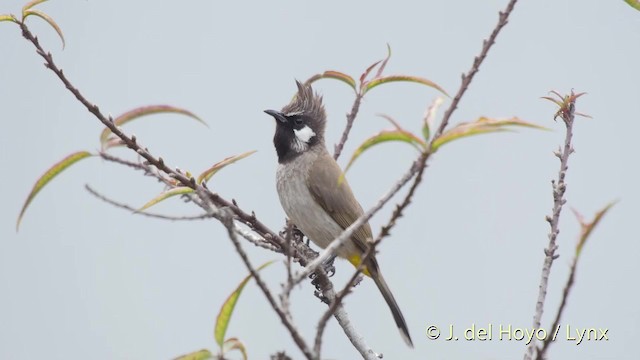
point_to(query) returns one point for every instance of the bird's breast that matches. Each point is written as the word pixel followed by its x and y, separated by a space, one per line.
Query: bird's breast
pixel 300 206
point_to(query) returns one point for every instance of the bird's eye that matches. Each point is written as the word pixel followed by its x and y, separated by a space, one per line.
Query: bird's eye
pixel 298 121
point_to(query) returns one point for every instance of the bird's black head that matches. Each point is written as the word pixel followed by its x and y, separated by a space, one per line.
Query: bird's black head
pixel 299 125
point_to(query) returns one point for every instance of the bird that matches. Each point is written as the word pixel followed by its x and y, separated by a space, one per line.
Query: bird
pixel 313 192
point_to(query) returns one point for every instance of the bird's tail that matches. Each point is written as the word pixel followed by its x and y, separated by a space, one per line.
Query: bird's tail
pixel 391 301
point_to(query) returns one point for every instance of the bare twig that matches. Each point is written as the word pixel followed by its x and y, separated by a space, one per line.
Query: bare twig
pixel 586 229
pixel 559 188
pixel 351 117
pixel 337 301
pixel 144 213
pixel 466 81
pixel 240 215
pixel 348 232
pixel 226 217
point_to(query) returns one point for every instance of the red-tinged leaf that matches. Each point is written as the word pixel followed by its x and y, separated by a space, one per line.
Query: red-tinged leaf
pixel 391 120
pixel 555 101
pixel 234 344
pixel 224 316
pixel 143 111
pixel 587 228
pixel 207 174
pixel 364 75
pixel 8 17
pixel 386 136
pixel 634 4
pixel 384 62
pixel 392 78
pixel 584 115
pixel 203 354
pixel 481 126
pixel 180 190
pixel 49 175
pixel 46 18
pixel 330 74
pixel 29 5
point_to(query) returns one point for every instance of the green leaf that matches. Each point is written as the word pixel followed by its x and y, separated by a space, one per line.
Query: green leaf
pixel 45 17
pixel 633 3
pixel 224 316
pixel 203 354
pixel 587 228
pixel 180 190
pixel 53 171
pixel 29 5
pixel 8 17
pixel 386 136
pixel 330 74
pixel 392 78
pixel 481 126
pixel 207 174
pixel 143 111
pixel 234 344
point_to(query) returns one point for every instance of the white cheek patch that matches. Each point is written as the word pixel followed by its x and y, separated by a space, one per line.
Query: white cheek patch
pixel 305 134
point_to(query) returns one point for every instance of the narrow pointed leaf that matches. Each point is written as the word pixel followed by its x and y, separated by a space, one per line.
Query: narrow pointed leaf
pixel 234 344
pixel 207 174
pixel 29 5
pixel 429 117
pixel 49 175
pixel 181 190
pixel 224 316
pixel 143 111
pixel 481 126
pixel 587 229
pixel 555 101
pixel 364 75
pixel 330 74
pixel 8 17
pixel 392 78
pixel 633 3
pixel 46 18
pixel 203 354
pixel 384 62
pixel 385 136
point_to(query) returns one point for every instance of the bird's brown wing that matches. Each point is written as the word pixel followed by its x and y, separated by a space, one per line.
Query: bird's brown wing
pixel 336 198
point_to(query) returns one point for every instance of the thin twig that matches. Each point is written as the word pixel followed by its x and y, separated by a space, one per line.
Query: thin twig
pixel 144 213
pixel 348 232
pixel 559 188
pixel 337 301
pixel 466 81
pixel 565 295
pixel 226 217
pixel 351 117
pixel 246 218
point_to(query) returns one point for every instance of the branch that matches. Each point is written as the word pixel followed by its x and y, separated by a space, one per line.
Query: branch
pixel 226 217
pixel 135 211
pixel 131 142
pixel 559 188
pixel 348 232
pixel 351 117
pixel 503 19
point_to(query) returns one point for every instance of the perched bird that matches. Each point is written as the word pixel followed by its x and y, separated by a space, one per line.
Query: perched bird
pixel 311 193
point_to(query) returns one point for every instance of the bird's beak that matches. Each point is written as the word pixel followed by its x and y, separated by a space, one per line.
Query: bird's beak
pixel 277 115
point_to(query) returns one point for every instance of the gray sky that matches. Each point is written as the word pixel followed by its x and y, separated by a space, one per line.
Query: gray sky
pixel 84 279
